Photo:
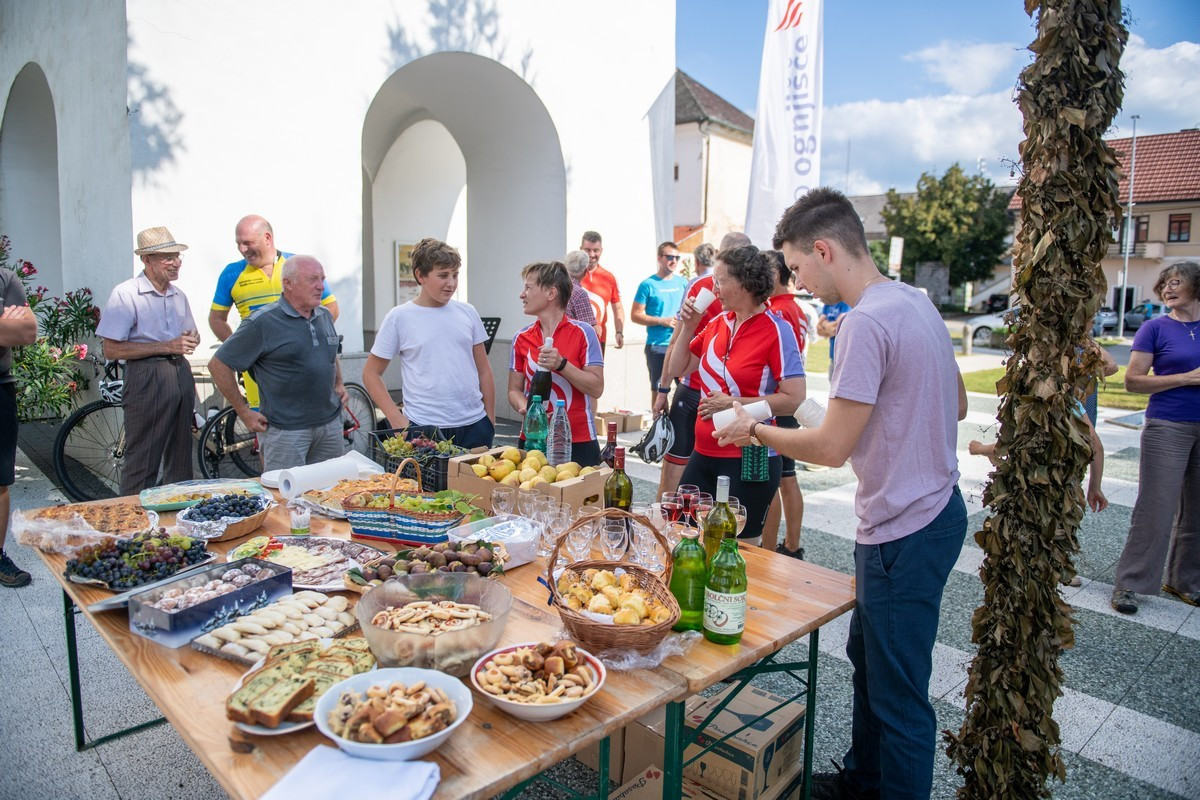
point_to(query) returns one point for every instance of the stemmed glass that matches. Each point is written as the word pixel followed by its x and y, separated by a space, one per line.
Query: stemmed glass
pixel 503 500
pixel 687 495
pixel 739 512
pixel 554 518
pixel 579 542
pixel 527 501
pixel 658 516
pixel 672 506
pixel 613 540
pixel 674 533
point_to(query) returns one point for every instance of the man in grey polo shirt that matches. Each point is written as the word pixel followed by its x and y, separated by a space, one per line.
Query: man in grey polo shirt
pixel 290 348
pixel 148 323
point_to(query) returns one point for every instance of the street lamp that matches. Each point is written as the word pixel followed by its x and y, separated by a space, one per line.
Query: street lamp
pixel 1129 234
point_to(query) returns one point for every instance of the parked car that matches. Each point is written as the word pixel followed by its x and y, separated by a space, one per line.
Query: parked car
pixel 982 326
pixel 1135 316
pixel 1105 321
pixel 996 303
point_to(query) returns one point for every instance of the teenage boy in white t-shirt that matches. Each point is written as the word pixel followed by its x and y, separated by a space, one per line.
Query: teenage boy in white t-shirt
pixel 444 367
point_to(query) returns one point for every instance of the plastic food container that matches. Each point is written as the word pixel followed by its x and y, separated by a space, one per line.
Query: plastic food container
pixel 452 652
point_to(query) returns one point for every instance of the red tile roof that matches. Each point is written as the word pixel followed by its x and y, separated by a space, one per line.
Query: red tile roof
pixel 1167 168
pixel 685 232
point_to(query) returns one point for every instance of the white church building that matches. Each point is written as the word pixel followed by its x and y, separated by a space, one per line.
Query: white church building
pixel 505 127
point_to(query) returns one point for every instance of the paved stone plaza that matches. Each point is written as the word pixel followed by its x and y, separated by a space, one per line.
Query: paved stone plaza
pixel 1130 715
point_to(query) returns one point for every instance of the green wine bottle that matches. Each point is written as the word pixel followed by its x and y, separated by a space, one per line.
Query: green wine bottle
pixel 618 489
pixel 721 522
pixel 688 576
pixel 725 595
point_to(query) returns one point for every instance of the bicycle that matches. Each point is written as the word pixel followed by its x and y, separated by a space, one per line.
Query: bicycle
pixel 227 447
pixel 89 450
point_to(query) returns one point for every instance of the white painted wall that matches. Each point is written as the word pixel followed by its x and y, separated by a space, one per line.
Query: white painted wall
pixel 80 47
pixel 728 185
pixel 260 107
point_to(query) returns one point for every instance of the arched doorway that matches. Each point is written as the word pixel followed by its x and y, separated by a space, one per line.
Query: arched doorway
pixel 448 126
pixel 29 206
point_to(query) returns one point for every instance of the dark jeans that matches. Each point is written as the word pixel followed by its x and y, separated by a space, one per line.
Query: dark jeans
pixel 893 629
pixel 477 434
pixel 8 433
pixel 656 355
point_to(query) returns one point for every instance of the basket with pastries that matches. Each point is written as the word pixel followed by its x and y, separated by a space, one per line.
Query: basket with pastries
pixel 612 605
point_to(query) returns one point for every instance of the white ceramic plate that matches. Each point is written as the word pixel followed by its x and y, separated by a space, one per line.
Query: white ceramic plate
pixel 263 730
pixel 270 478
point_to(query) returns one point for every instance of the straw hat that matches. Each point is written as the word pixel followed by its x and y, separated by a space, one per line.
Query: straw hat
pixel 157 240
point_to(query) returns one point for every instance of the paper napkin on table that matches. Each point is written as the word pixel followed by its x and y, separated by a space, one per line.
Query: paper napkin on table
pixel 328 772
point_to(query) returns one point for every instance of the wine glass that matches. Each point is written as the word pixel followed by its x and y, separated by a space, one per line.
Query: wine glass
pixel 674 534
pixel 503 500
pixel 643 545
pixel 613 540
pixel 672 505
pixel 687 495
pixel 546 539
pixel 739 512
pixel 527 501
pixel 657 516
pixel 579 542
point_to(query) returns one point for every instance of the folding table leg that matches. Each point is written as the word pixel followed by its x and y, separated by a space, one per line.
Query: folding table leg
pixel 673 753
pixel 81 743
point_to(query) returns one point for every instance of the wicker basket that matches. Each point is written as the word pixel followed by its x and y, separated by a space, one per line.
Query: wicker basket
pixel 597 636
pixel 394 524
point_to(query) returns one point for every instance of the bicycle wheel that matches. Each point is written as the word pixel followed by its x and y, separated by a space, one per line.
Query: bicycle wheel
pixel 89 452
pixel 228 449
pixel 358 419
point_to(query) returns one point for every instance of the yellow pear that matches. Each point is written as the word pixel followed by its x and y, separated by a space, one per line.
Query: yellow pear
pixel 563 475
pixel 479 469
pixel 487 478
pixel 511 454
pixel 500 469
pixel 531 462
pixel 539 455
pixel 526 485
pixel 534 481
pixel 549 474
pixel 527 473
pixel 586 471
pixel 487 459
pixel 510 479
pixel 570 465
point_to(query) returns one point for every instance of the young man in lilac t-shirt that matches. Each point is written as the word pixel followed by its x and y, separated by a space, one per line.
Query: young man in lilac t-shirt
pixel 895 401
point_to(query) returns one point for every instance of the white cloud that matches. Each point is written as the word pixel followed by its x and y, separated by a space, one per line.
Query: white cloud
pixel 892 143
pixel 969 68
pixel 1162 85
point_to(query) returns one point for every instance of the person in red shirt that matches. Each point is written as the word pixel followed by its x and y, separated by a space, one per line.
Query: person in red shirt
pixel 601 286
pixel 788 501
pixel 575 361
pixel 744 354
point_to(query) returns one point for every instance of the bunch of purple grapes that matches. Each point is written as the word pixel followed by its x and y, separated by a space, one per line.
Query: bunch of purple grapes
pixel 140 559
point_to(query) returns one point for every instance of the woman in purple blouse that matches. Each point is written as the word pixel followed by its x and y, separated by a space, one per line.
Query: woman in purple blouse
pixel 1166 517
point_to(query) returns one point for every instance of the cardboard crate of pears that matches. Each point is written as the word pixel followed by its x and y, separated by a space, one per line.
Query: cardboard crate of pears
pixel 479 473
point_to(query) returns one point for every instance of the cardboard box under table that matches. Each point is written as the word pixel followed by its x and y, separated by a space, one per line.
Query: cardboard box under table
pixel 648 785
pixel 626 422
pixel 753 751
pixel 576 492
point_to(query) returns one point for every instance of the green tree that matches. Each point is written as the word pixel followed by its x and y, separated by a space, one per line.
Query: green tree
pixel 958 220
pixel 1009 742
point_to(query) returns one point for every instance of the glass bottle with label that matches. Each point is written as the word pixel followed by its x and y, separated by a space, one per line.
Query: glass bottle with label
pixel 725 595
pixel 720 522
pixel 688 576
pixel 606 455
pixel 618 489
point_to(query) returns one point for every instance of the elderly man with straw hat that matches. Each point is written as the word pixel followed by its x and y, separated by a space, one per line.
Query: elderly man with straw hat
pixel 148 323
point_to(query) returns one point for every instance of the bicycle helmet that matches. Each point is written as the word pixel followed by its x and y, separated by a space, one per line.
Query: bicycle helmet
pixel 656 441
pixel 112 385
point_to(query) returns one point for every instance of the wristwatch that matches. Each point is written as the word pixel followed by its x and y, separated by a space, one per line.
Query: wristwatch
pixel 754 440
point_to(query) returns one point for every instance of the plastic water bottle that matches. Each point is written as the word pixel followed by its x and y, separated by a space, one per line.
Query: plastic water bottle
pixel 535 425
pixel 558 440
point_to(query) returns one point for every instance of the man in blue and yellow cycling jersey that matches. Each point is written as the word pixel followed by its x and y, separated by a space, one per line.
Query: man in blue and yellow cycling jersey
pixel 252 283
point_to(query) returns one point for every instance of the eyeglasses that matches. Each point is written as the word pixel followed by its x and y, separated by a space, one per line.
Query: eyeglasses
pixel 167 258
pixel 671 258
pixel 1174 283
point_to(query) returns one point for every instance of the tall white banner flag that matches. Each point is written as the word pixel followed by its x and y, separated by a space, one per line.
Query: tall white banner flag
pixel 787 131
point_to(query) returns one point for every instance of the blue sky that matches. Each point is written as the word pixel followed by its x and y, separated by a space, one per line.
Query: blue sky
pixel 913 87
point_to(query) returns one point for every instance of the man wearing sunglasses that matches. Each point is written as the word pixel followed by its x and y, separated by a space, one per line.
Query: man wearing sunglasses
pixel 655 305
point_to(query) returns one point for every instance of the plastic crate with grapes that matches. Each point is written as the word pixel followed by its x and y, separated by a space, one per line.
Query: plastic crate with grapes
pixel 425 445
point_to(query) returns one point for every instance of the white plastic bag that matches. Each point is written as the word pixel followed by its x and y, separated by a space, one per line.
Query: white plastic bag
pixel 519 536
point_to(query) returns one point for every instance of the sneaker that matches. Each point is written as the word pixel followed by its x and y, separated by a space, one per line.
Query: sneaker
pixel 1124 601
pixel 798 553
pixel 10 574
pixel 1074 581
pixel 1191 598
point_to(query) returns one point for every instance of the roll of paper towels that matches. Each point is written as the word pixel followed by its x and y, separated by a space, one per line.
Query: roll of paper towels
pixel 294 482
pixel 759 410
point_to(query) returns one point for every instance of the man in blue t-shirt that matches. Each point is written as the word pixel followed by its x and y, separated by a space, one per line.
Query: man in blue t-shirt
pixel 828 324
pixel 657 301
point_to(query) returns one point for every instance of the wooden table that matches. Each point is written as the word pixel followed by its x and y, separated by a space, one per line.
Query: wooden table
pixel 491 751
